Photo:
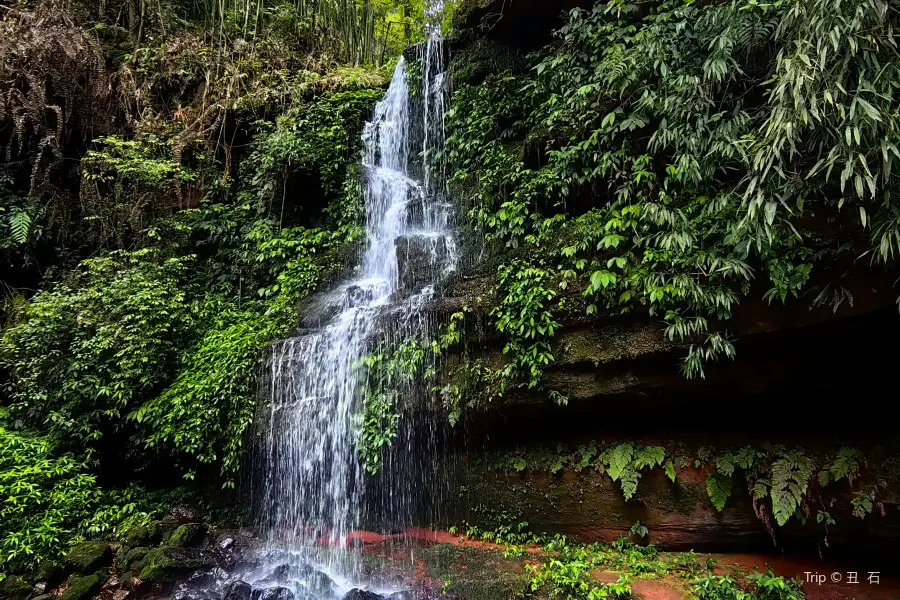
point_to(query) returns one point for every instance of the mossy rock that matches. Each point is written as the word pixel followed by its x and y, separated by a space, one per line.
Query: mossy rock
pixel 82 588
pixel 186 535
pixel 88 557
pixel 137 535
pixel 14 588
pixel 160 532
pixel 131 559
pixel 165 565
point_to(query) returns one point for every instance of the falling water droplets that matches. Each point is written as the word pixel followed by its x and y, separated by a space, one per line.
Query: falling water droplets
pixel 313 490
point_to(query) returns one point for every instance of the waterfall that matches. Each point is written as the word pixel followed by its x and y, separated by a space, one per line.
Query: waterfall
pixel 313 489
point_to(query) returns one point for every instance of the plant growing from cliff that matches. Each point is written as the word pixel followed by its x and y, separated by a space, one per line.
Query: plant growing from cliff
pixel 705 138
pixel 525 316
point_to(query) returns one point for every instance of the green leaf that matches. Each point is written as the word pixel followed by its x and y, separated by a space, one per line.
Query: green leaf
pixel 718 487
pixel 670 470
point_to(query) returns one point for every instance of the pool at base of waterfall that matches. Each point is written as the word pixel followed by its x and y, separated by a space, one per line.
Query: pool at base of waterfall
pixel 245 571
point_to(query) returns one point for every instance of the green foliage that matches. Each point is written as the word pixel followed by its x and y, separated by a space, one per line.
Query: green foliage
pixel 45 498
pixel 791 473
pixel 205 412
pixel 318 138
pixel 768 586
pixel 567 577
pixel 525 316
pixel 82 353
pixel 708 138
pixel 718 487
pixel 379 428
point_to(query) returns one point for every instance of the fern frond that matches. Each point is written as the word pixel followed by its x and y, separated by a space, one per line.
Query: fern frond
pixel 19 225
pixel 718 486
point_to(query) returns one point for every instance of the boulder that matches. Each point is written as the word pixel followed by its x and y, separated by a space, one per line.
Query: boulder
pixel 319 583
pixel 165 565
pixel 131 560
pixel 88 557
pixel 239 590
pixel 137 535
pixel 358 594
pixel 82 588
pixel 186 535
pixel 272 593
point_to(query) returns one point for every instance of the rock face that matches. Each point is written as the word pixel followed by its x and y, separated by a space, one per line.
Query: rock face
pixel 420 257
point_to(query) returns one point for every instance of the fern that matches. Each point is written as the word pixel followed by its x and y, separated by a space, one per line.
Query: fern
pixel 845 466
pixel 670 470
pixel 649 456
pixel 618 459
pixel 19 225
pixel 790 478
pixel 629 483
pixel 718 486
pixel 862 503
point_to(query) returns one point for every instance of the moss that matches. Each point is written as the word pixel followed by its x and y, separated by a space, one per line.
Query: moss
pixel 185 535
pixel 138 535
pixel 14 588
pixel 89 556
pixel 132 559
pixel 474 573
pixel 82 588
pixel 162 565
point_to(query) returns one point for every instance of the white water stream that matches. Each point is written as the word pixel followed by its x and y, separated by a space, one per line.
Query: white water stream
pixel 314 484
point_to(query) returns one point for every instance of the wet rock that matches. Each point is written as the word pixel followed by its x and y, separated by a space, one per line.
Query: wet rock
pixel 45 597
pixel 272 593
pixel 239 590
pixel 196 594
pixel 404 595
pixel 226 551
pixel 420 258
pixel 357 594
pixel 121 594
pixel 88 557
pixel 82 588
pixel 319 583
pixel 225 543
pixel 186 535
pixel 201 579
pixel 165 565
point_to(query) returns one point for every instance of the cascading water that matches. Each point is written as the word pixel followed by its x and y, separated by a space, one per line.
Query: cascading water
pixel 314 484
